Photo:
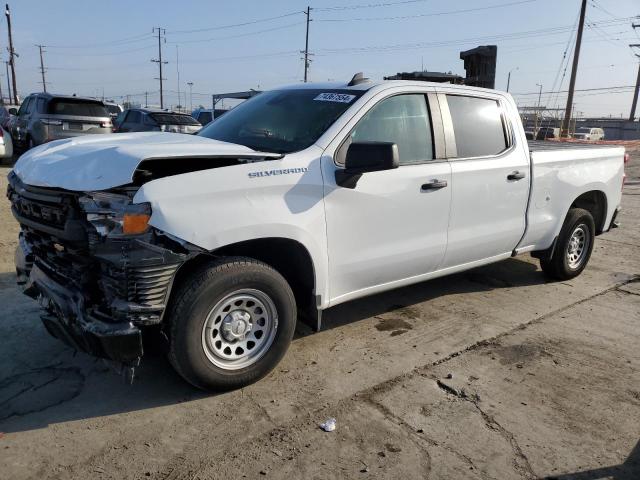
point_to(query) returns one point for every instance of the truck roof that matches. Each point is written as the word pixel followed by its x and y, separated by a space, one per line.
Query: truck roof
pixel 370 84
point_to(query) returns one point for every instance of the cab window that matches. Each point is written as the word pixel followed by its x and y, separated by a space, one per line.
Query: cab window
pixel 403 120
pixel 24 108
pixel 478 126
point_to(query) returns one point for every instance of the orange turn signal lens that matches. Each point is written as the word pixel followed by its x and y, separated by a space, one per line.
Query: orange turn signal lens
pixel 134 224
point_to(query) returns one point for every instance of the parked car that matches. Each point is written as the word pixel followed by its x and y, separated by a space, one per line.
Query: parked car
pixel 114 109
pixel 205 115
pixel 589 133
pixel 547 132
pixel 151 120
pixel 6 144
pixel 6 115
pixel 297 200
pixel 44 117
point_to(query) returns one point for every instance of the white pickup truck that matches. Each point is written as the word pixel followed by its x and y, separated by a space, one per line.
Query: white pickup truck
pixel 297 200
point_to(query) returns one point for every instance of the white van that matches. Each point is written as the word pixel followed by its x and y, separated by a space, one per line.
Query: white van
pixel 589 133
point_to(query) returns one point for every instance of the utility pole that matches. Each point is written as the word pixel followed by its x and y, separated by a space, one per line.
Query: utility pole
pixel 146 99
pixel 178 72
pixel 12 55
pixel 159 61
pixel 538 108
pixel 306 45
pixel 634 104
pixel 509 78
pixel 190 95
pixel 44 82
pixel 564 131
pixel 6 63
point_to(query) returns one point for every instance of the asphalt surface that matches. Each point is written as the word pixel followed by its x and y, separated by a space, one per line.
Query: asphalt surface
pixel 495 373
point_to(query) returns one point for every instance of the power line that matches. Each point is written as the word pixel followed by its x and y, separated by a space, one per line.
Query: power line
pixel 502 37
pixel 578 90
pixel 222 27
pixel 422 15
pixel 369 5
pixel 248 34
pixel 103 54
pixel 114 43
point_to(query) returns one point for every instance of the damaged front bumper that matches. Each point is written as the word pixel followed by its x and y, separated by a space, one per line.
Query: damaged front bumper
pixel 98 292
pixel 68 320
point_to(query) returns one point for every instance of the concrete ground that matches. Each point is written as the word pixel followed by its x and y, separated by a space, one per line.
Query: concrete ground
pixel 491 374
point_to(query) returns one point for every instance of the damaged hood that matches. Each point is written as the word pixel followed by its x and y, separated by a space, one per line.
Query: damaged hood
pixel 100 162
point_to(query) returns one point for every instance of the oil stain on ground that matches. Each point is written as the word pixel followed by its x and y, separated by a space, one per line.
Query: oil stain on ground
pixel 396 326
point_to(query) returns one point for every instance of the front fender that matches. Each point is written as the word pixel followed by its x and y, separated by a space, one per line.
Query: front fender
pixel 271 199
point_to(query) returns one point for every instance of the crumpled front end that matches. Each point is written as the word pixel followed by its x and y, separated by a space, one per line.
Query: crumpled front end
pixel 99 279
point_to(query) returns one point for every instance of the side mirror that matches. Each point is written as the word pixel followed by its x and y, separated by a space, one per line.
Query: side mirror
pixel 13 111
pixel 363 157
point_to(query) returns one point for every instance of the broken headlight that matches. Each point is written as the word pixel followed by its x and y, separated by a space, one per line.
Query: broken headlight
pixel 113 214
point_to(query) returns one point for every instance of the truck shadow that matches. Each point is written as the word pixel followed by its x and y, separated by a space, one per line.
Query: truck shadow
pixel 511 273
pixel 627 470
pixel 43 382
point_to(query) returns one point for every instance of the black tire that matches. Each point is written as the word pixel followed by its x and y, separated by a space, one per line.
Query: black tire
pixel 560 267
pixel 197 297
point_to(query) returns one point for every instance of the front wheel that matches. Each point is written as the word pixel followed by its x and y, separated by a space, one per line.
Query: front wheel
pixel 573 247
pixel 231 322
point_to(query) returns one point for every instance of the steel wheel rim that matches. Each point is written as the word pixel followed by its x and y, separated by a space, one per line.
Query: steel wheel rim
pixel 240 329
pixel 578 246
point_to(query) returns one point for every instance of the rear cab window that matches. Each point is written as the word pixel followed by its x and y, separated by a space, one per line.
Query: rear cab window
pixel 479 126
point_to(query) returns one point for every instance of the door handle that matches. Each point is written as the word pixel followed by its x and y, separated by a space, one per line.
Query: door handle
pixel 434 185
pixel 516 175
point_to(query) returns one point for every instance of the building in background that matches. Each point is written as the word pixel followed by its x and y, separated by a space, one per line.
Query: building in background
pixel 439 77
pixel 480 65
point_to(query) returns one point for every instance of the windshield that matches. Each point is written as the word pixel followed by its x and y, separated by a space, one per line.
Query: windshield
pixel 282 121
pixel 583 130
pixel 174 119
pixel 204 117
pixel 113 109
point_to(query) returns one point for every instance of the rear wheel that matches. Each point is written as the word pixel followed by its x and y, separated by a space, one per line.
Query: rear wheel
pixel 573 247
pixel 231 323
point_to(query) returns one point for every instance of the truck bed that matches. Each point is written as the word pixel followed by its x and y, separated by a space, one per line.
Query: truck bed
pixel 546 146
pixel 561 172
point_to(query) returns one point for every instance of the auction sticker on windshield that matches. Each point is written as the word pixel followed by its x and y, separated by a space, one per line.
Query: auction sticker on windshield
pixel 335 97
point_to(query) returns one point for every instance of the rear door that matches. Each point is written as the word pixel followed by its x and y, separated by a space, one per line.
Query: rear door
pixel 392 226
pixel 490 178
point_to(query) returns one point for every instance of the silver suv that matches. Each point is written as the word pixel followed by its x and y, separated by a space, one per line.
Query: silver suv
pixel 44 117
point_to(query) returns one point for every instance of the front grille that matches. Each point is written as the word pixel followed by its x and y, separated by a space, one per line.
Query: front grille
pixel 118 279
pixel 53 232
pixel 67 261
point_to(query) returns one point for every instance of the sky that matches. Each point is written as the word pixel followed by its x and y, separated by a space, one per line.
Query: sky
pixel 95 47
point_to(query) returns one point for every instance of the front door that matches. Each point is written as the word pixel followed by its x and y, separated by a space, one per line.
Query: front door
pixel 392 227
